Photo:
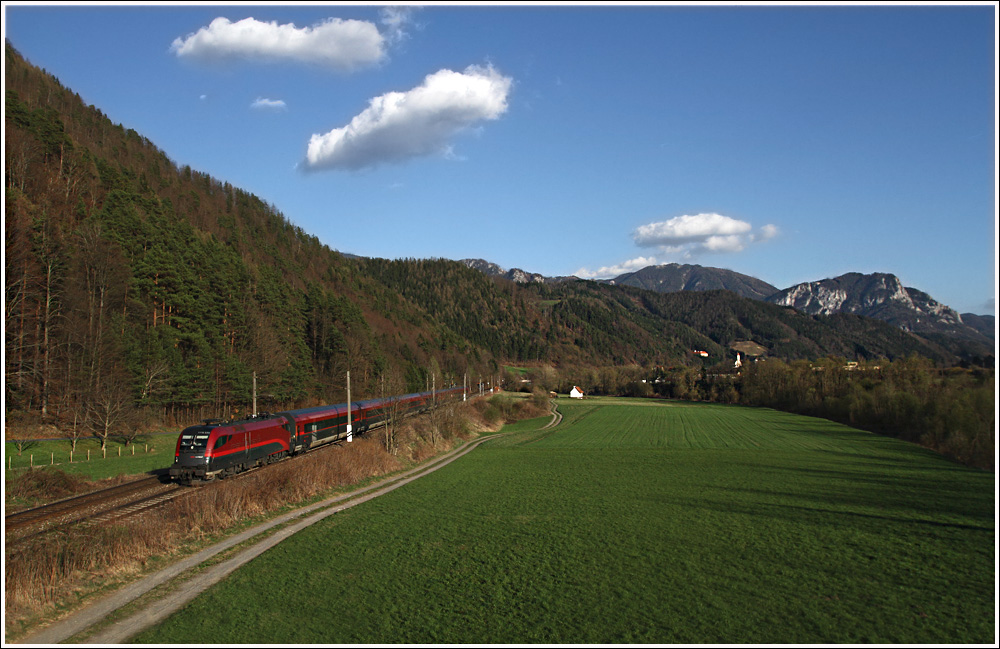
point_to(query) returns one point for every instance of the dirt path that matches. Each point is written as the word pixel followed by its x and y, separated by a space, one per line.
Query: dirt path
pixel 183 588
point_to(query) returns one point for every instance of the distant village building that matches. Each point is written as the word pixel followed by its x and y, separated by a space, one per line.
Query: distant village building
pixel 703 354
pixel 576 393
pixel 739 363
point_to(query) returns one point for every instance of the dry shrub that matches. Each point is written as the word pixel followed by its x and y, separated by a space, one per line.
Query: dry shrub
pixel 536 406
pixel 540 399
pixel 451 423
pixel 421 450
pixel 45 484
pixel 502 409
pixel 220 505
pixel 429 434
pixel 484 416
pixel 54 566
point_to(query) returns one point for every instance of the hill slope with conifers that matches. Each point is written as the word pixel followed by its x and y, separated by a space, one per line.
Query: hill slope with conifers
pixel 133 282
pixel 130 278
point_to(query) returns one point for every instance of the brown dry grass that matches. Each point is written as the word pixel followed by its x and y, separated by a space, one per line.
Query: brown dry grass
pixel 50 485
pixel 58 570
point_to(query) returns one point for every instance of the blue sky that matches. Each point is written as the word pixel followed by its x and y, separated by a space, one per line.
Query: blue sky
pixel 787 143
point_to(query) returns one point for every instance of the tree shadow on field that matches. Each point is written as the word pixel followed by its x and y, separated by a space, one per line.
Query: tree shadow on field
pixel 926 497
pixel 900 454
pixel 942 494
pixel 839 503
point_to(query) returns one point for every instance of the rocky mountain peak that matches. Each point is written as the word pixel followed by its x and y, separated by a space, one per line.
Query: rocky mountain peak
pixel 876 295
pixel 515 274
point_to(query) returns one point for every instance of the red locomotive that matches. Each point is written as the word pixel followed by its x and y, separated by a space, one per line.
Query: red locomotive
pixel 217 449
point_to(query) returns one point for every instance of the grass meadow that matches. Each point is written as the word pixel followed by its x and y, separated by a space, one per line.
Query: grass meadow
pixel 637 522
pixel 149 453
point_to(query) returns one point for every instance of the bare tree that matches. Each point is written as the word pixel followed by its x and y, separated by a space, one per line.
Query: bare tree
pixel 260 347
pixel 21 290
pixel 21 151
pixel 102 278
pixel 110 410
pixel 22 439
pixel 435 412
pixel 155 376
pixel 71 425
pixel 393 408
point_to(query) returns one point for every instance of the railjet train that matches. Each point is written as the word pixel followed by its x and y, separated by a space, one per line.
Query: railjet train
pixel 219 449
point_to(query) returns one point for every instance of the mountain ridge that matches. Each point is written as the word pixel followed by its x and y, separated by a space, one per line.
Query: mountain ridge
pixel 516 275
pixel 667 278
pixel 876 295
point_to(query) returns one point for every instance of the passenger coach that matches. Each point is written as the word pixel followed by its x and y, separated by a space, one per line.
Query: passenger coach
pixel 216 449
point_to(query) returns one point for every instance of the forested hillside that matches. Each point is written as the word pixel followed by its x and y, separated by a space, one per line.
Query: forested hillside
pixel 134 284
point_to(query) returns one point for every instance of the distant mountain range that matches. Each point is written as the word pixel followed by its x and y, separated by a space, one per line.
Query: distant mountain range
pixel 876 295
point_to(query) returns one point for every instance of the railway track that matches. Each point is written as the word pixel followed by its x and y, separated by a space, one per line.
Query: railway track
pixel 100 506
pixel 108 505
pixel 113 504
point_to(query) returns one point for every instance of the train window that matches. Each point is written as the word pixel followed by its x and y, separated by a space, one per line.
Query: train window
pixel 221 441
pixel 194 441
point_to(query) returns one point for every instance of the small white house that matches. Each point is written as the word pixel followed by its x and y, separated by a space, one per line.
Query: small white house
pixel 576 393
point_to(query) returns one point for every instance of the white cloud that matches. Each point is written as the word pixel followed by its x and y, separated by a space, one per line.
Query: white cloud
pixel 727 243
pixel 605 272
pixel 268 104
pixel 684 238
pixel 336 43
pixel 396 21
pixel 690 235
pixel 767 232
pixel 685 229
pixel 402 125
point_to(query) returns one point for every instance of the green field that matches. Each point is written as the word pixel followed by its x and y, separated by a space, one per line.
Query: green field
pixel 150 452
pixel 637 522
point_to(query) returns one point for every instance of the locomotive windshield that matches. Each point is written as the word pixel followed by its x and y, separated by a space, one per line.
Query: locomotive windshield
pixel 195 439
